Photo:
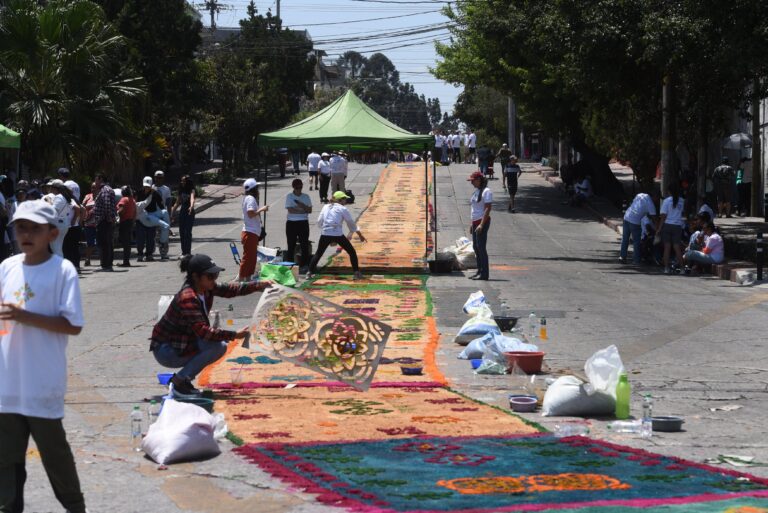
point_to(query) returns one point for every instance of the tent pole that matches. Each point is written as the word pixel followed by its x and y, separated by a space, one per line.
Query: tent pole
pixel 434 208
pixel 266 181
pixel 18 165
pixel 426 196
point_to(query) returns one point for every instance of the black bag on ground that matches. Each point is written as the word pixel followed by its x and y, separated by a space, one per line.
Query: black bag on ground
pixel 351 196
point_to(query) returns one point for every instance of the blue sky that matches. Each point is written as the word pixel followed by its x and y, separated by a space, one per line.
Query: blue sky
pixel 335 19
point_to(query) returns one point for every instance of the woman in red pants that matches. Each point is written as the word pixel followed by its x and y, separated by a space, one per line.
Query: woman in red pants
pixel 251 229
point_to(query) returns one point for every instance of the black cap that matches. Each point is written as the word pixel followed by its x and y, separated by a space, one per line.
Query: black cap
pixel 203 264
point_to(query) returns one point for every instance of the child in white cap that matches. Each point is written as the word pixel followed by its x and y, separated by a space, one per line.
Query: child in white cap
pixel 40 309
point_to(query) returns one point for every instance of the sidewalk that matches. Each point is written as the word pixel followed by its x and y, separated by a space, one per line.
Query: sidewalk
pixel 739 233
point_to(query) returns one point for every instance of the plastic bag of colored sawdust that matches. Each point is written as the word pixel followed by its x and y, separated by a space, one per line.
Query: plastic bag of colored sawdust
pixel 281 274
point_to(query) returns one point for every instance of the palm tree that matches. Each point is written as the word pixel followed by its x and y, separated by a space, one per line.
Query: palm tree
pixel 62 82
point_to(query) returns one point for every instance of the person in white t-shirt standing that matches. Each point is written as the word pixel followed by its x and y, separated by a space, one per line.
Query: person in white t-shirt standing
pixel 642 206
pixel 324 169
pixel 331 222
pixel 251 234
pixel 480 214
pixel 472 144
pixel 41 307
pixel 456 138
pixel 313 159
pixel 670 226
pixel 299 206
pixel 338 172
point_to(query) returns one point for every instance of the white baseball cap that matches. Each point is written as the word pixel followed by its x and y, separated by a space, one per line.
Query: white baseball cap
pixel 37 211
pixel 250 184
pixel 147 182
pixel 159 173
pixel 325 155
pixel 55 183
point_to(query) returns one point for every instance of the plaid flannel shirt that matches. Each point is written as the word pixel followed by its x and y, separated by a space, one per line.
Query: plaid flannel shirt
pixel 105 207
pixel 185 320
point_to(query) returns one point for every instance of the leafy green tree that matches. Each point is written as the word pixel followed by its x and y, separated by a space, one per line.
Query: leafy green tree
pixel 63 84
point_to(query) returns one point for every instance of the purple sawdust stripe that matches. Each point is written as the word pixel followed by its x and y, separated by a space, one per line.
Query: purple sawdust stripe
pixel 329 384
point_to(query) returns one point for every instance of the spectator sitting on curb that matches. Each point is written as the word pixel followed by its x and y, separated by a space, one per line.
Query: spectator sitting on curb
pixel 713 251
pixel 697 227
pixel 582 191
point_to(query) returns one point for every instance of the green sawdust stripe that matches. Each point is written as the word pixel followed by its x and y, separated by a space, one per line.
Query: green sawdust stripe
pixel 531 423
pixel 235 439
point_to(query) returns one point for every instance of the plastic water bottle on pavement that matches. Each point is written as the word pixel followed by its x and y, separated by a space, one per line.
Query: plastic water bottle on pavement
pixel 543 328
pixel 647 420
pixel 532 324
pixel 230 317
pixel 136 418
pixel 626 426
pixel 623 393
pixel 153 411
pixel 571 429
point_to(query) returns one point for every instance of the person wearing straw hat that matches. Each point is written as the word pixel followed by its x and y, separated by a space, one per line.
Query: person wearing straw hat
pixel 331 222
pixel 251 233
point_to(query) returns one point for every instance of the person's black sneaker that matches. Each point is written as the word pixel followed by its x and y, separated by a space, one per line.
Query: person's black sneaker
pixel 182 387
pixel 149 258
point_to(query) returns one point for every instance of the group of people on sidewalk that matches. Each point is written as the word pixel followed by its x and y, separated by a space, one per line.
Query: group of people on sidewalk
pixel 327 171
pixel 694 240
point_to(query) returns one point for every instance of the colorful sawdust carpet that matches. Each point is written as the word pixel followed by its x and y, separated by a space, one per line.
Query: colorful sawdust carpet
pixel 522 473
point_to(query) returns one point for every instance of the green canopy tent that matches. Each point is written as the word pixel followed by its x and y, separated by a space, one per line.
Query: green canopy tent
pixel 12 140
pixel 351 125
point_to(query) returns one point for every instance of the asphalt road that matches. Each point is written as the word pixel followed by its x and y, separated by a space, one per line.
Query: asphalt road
pixel 694 343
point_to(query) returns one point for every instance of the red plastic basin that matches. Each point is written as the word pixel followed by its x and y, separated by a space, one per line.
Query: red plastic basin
pixel 528 362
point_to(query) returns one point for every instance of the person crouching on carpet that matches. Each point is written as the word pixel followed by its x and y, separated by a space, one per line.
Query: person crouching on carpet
pixel 331 222
pixel 184 336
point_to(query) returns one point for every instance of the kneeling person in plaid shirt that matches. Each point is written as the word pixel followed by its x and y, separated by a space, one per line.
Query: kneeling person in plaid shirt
pixel 184 338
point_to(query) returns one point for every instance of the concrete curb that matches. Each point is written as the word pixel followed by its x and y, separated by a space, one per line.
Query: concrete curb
pixel 212 200
pixel 740 272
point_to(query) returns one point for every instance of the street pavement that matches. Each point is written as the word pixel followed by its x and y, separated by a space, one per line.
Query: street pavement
pixel 693 343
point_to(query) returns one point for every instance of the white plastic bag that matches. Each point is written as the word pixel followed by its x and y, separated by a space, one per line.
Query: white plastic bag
pixel 162 305
pixel 475 348
pixel 567 397
pixel 182 432
pixel 265 254
pixel 462 242
pixel 480 323
pixel 475 299
pixel 603 370
pixel 466 257
pixel 221 429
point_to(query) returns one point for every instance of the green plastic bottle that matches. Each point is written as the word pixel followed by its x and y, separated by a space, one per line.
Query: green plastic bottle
pixel 623 392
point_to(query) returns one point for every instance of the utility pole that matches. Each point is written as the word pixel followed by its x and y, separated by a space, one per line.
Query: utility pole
pixel 666 135
pixel 511 128
pixel 757 154
pixel 278 9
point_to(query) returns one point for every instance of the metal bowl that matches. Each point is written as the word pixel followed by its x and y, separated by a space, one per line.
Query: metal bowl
pixel 668 424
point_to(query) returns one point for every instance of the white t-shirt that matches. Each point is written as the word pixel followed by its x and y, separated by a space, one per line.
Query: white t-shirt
pixel 674 214
pixel 338 165
pixel 332 218
pixel 290 202
pixel 33 361
pixel 715 247
pixel 251 224
pixel 72 185
pixel 472 140
pixel 585 188
pixel 439 141
pixel 641 206
pixel 324 167
pixel 312 160
pixel 456 141
pixel 479 201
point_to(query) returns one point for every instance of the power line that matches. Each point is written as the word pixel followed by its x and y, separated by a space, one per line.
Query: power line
pixel 362 21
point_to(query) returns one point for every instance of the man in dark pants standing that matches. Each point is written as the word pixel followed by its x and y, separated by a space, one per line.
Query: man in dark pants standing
pixel 104 212
pixel 299 206
pixel 324 168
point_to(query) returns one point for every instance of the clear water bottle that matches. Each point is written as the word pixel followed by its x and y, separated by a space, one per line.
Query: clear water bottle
pixel 571 429
pixel 625 426
pixel 532 324
pixel 647 427
pixel 153 411
pixel 136 418
pixel 215 319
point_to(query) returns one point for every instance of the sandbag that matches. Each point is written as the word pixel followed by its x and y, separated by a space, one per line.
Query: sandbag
pixel 182 432
pixel 480 323
pixel 497 343
pixel 567 397
pixel 475 300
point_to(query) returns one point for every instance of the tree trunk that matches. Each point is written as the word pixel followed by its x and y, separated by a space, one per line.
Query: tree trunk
pixel 757 155
pixel 701 172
